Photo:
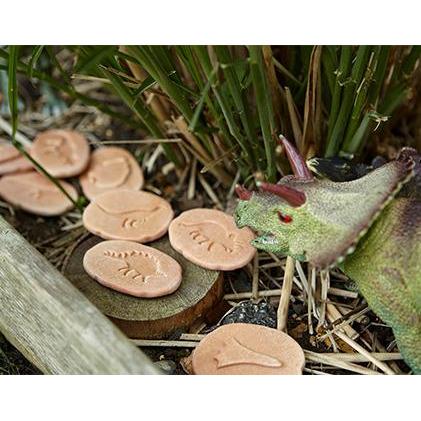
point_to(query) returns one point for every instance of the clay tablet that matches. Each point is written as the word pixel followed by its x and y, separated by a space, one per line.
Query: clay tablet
pixel 63 153
pixel 209 238
pixel 128 215
pixel 111 168
pixel 11 161
pixel 241 348
pixel 35 193
pixel 133 268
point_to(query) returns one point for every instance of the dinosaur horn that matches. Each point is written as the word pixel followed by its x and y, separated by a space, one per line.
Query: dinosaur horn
pixel 242 192
pixel 294 197
pixel 298 165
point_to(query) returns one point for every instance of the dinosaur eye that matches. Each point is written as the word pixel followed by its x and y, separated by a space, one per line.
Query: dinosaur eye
pixel 284 218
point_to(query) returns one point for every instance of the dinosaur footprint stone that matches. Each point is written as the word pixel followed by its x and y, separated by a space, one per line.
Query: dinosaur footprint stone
pixel 111 168
pixel 63 153
pixel 11 161
pixel 128 215
pixel 241 348
pixel 132 268
pixel 35 193
pixel 209 238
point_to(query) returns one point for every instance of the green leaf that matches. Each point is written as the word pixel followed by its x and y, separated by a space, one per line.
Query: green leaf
pixel 36 53
pixel 94 57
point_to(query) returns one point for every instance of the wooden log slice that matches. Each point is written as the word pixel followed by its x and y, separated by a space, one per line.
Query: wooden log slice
pixel 148 318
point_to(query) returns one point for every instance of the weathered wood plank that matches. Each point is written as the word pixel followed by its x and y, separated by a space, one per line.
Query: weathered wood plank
pixel 44 316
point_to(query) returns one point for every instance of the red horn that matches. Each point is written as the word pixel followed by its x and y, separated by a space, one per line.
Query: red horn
pixel 242 192
pixel 298 165
pixel 294 197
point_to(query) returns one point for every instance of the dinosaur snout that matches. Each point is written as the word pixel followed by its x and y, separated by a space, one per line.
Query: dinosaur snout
pixel 239 214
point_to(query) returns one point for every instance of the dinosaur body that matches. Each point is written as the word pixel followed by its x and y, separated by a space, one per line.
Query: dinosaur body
pixel 370 227
pixel 386 268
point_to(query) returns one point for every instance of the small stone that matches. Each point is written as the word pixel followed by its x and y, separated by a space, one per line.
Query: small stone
pixel 63 153
pixel 261 313
pixel 241 348
pixel 128 215
pixel 210 239
pixel 11 161
pixel 132 268
pixel 35 193
pixel 111 168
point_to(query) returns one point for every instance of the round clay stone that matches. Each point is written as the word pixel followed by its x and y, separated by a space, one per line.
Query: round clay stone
pixel 128 215
pixel 241 348
pixel 35 193
pixel 63 153
pixel 111 168
pixel 133 268
pixel 210 238
pixel 199 293
pixel 11 161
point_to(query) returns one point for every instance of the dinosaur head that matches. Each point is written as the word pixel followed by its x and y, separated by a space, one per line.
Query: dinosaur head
pixel 317 220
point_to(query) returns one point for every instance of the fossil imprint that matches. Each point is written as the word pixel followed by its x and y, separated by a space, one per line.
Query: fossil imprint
pixel 211 234
pixel 137 265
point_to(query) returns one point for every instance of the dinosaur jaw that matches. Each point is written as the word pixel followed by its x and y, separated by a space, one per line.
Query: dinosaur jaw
pixel 267 242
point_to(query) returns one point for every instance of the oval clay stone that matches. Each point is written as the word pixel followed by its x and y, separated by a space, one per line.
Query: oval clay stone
pixel 63 153
pixel 210 238
pixel 111 168
pixel 133 268
pixel 241 348
pixel 11 161
pixel 7 151
pixel 35 193
pixel 128 215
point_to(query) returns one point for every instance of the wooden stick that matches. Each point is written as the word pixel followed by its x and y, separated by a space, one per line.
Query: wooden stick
pixel 325 280
pixel 359 358
pixel 342 292
pixel 286 294
pixel 323 359
pixel 7 127
pixel 313 288
pixel 191 189
pixel 384 367
pixel 192 336
pixel 163 343
pixel 333 314
pixel 51 323
pixel 345 323
pixel 245 295
pixel 255 279
pixel 208 189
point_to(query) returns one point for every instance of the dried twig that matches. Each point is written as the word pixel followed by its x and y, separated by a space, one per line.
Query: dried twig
pixel 286 294
pixel 255 279
pixel 384 367
pixel 162 343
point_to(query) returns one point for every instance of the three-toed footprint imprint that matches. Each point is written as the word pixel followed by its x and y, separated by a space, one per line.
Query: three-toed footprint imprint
pixel 131 219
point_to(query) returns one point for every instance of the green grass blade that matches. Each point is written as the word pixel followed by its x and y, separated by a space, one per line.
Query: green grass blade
pixel 93 58
pixel 264 108
pixel 13 88
pixel 13 103
pixel 338 132
pixel 36 53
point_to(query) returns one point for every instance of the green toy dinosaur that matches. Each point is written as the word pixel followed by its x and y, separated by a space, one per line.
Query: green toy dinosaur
pixel 370 227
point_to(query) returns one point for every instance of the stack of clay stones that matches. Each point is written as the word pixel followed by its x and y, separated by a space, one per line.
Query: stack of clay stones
pixel 122 214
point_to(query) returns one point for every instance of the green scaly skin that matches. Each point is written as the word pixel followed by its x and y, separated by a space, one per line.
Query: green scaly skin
pixel 371 227
pixel 388 274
